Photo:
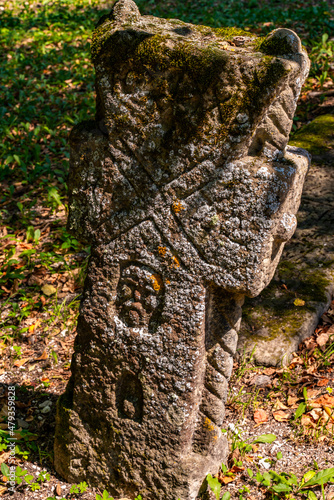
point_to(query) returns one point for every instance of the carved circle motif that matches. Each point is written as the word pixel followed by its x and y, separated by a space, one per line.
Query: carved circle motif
pixel 139 295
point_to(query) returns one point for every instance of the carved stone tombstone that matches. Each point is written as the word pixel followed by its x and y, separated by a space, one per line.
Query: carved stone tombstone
pixel 185 189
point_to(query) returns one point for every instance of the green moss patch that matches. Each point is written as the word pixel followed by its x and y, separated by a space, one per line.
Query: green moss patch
pixel 284 305
pixel 317 137
pixel 229 33
pixel 274 46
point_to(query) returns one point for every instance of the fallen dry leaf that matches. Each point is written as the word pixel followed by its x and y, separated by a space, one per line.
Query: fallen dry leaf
pixel 2 490
pixel 236 469
pixel 43 356
pixel 260 417
pixel 4 456
pixel 48 290
pixel 234 457
pixel 19 404
pixel 323 382
pixel 269 371
pixel 322 339
pixel 307 421
pixel 325 400
pixel 326 319
pixel 226 479
pixel 310 343
pixel 58 490
pixel 313 393
pixel 33 327
pixel 279 405
pixel 21 362
pixel 281 416
pixel 296 361
pixel 311 369
pixel 292 402
pixel 316 413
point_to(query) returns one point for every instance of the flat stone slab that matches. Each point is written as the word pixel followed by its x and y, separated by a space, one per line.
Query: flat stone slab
pixel 286 312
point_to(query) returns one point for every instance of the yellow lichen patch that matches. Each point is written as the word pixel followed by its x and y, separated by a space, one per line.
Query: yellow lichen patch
pixel 162 251
pixel 177 206
pixel 175 262
pixel 208 424
pixel 156 282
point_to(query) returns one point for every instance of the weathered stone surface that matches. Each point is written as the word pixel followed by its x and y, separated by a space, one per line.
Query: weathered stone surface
pixel 272 324
pixel 183 188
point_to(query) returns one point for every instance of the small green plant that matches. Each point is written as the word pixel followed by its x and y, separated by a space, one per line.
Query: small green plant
pixel 5 470
pixel 105 496
pixel 321 56
pixel 283 485
pixel 3 443
pixel 79 488
pixel 18 351
pixel 245 447
pixel 214 484
pixel 43 476
pixel 325 358
pixel 21 474
pixel 245 364
pixel 35 486
pixel 33 234
pixel 302 408
pixel 243 491
pixel 54 197
pixel 55 357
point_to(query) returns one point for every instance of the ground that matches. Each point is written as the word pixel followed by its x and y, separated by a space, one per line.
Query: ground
pixel 47 86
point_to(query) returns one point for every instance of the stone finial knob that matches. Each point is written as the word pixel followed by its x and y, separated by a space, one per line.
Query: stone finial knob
pixel 125 10
pixel 281 42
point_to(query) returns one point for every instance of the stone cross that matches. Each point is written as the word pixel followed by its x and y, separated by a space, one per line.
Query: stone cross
pixel 185 189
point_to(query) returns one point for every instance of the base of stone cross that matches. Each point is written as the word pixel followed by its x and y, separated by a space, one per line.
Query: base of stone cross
pixel 287 312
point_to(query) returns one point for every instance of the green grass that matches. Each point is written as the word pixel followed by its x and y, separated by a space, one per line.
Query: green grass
pixel 311 18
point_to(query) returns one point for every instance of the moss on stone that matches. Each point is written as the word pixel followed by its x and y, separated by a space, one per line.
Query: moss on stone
pixel 229 33
pixel 271 71
pixel 275 309
pixel 265 77
pixel 105 30
pixel 273 46
pixel 317 137
pixel 155 53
